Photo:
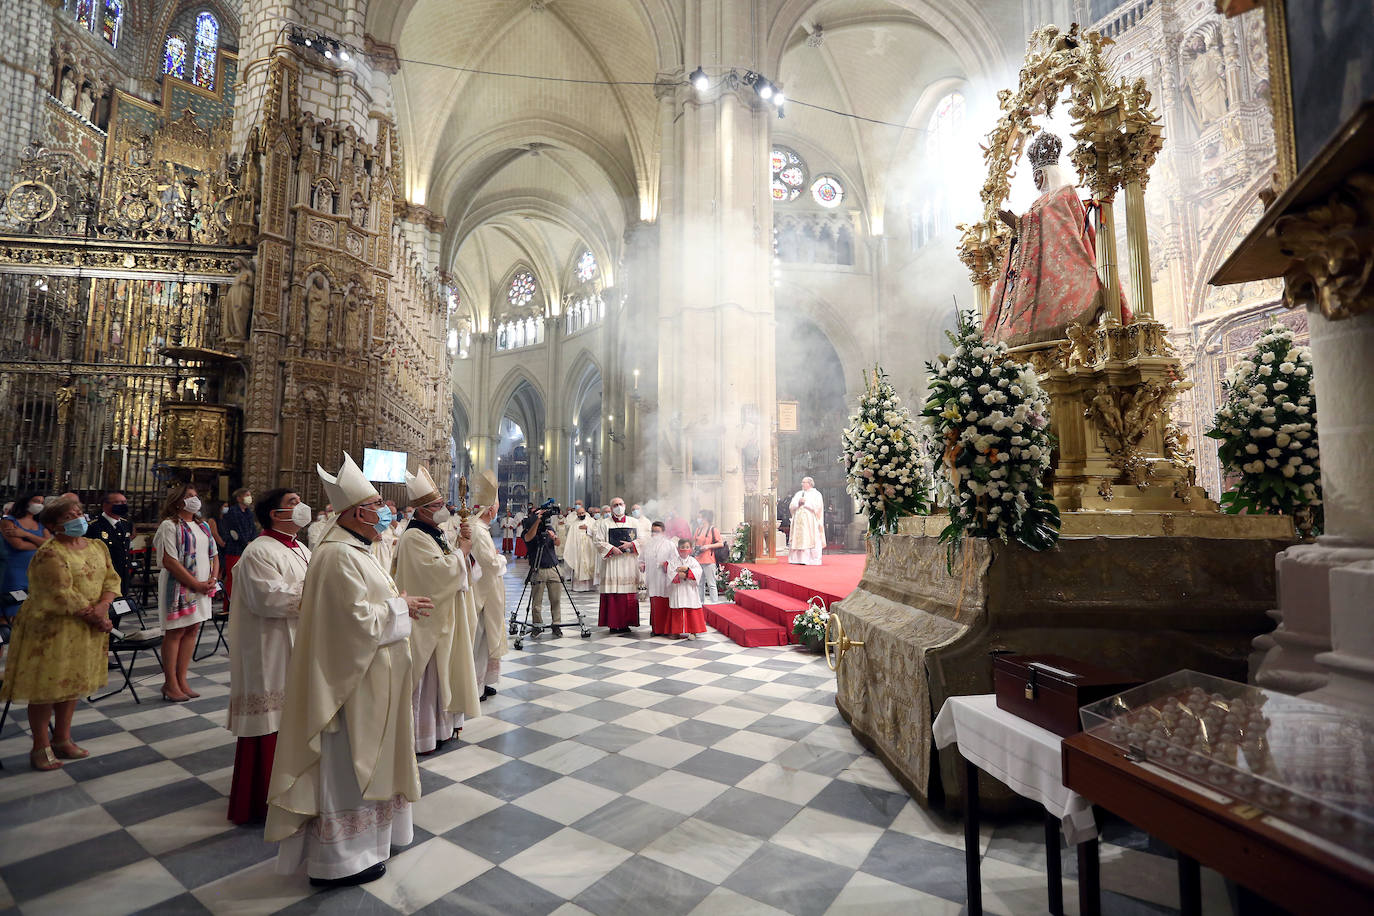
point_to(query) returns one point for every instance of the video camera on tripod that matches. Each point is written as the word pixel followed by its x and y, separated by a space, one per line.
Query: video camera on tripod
pixel 546 513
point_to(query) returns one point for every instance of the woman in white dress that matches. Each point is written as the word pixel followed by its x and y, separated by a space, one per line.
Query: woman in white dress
pixel 189 579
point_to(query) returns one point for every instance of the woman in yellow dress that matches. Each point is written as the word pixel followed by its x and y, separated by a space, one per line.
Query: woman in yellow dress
pixel 57 652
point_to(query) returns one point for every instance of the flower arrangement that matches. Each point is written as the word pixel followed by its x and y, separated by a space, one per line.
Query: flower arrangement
pixel 989 421
pixel 744 581
pixel 882 458
pixel 739 544
pixel 809 625
pixel 1267 429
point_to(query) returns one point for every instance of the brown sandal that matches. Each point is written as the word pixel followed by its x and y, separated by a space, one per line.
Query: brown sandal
pixel 41 758
pixel 67 750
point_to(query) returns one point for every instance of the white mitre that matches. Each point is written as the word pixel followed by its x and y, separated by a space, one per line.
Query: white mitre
pixel 349 488
pixel 420 488
pixel 484 489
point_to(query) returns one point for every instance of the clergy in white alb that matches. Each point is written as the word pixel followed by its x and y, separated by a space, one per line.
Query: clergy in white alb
pixel 490 643
pixel 806 541
pixel 617 543
pixel 658 551
pixel 429 564
pixel 267 600
pixel 580 554
pixel 345 775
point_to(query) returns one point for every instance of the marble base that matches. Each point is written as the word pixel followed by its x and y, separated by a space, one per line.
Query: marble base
pixel 1350 663
pixel 1145 605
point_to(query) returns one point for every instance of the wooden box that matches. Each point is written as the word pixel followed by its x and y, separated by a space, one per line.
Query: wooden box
pixel 1048 690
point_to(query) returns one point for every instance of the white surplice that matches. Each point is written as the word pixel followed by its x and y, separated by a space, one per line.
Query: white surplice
pixel 807 538
pixel 659 549
pixel 344 775
pixel 619 574
pixel 268 579
pixel 684 592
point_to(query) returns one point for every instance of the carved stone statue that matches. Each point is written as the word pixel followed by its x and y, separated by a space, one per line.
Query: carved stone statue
pixel 1050 279
pixel 359 211
pixel 317 311
pixel 86 104
pixel 1206 78
pixel 238 303
pixel 353 321
pixel 67 91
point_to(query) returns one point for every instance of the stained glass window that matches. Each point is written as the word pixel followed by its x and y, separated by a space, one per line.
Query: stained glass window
pixel 827 191
pixel 945 124
pixel 174 57
pixel 85 13
pixel 521 289
pixel 586 266
pixel 114 17
pixel 789 175
pixel 207 43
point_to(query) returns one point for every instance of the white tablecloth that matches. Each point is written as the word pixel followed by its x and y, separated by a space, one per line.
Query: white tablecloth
pixel 1024 756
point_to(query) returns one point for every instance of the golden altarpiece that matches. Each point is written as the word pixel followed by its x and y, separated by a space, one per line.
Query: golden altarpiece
pixel 173 310
pixel 1148 576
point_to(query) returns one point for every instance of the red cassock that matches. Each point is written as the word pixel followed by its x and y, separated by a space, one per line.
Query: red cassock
pixel 658 616
pixel 252 774
pixel 1050 279
pixel 520 547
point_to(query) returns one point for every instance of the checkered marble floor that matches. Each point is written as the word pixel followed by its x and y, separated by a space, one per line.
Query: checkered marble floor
pixel 610 775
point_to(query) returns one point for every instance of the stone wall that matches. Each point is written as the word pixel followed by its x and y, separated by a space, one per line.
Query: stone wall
pixel 24 43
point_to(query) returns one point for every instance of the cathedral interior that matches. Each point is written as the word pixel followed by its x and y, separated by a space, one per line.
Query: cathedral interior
pixel 656 249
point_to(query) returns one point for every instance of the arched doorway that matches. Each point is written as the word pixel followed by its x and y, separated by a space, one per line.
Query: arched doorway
pixel 584 481
pixel 520 467
pixel 809 372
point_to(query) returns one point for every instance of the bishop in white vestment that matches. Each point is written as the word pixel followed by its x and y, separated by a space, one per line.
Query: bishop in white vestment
pixel 345 775
pixel 580 553
pixel 428 564
pixel 267 579
pixel 490 643
pixel 806 541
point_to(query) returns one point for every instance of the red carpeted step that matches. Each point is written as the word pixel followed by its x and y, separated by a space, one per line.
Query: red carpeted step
pixel 745 627
pixel 771 605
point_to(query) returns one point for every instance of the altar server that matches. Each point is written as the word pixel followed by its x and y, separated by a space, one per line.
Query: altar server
pixel 268 578
pixel 581 551
pixel 507 532
pixel 429 564
pixel 345 775
pixel 490 589
pixel 617 543
pixel 807 537
pixel 659 552
pixel 685 617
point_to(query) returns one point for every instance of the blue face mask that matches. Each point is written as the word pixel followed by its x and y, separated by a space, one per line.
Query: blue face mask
pixel 383 518
pixel 75 528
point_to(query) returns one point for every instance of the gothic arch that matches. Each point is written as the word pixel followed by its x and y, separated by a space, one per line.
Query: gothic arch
pixel 576 381
pixel 159 24
pixel 506 391
pixel 1223 242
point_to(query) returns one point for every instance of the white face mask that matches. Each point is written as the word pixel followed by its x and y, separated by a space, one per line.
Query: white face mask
pixel 441 516
pixel 35 508
pixel 248 500
pixel 300 515
pixel 191 504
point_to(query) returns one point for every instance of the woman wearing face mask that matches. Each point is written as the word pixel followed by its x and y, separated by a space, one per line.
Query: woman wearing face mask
pixel 24 534
pixel 189 578
pixel 59 642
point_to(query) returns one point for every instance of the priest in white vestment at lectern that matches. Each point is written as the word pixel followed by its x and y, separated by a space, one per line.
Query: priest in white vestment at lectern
pixel 807 538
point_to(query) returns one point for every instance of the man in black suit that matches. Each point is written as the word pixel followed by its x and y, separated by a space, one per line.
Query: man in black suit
pixel 114 529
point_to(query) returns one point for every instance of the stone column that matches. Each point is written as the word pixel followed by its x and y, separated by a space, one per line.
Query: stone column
pixel 24 78
pixel 716 351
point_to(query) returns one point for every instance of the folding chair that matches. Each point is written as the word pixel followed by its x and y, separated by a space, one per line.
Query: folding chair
pixel 220 619
pixel 130 643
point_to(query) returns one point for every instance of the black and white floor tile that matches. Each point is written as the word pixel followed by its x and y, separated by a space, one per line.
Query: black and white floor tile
pixel 610 775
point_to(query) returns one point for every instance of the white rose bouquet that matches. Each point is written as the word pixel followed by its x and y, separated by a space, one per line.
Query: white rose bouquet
pixel 988 427
pixel 1267 429
pixel 882 457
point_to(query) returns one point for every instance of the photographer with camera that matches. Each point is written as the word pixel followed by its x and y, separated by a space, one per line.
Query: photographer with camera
pixel 541 546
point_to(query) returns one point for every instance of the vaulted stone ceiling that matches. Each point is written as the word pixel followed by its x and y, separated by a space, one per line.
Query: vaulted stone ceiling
pixel 532 172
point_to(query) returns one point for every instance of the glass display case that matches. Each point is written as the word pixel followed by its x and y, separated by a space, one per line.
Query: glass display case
pixel 1302 766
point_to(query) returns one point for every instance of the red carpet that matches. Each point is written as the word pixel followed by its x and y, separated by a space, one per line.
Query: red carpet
pixel 836 577
pixel 764 617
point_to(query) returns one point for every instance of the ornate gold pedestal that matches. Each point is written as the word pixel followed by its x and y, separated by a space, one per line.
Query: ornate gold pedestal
pixel 1110 389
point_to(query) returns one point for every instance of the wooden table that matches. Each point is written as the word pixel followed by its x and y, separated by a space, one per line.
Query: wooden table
pixel 1223 833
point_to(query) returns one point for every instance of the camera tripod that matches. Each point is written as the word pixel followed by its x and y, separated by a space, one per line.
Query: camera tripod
pixel 521 628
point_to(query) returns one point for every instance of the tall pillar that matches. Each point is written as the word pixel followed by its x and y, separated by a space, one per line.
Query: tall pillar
pixel 716 352
pixel 25 76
